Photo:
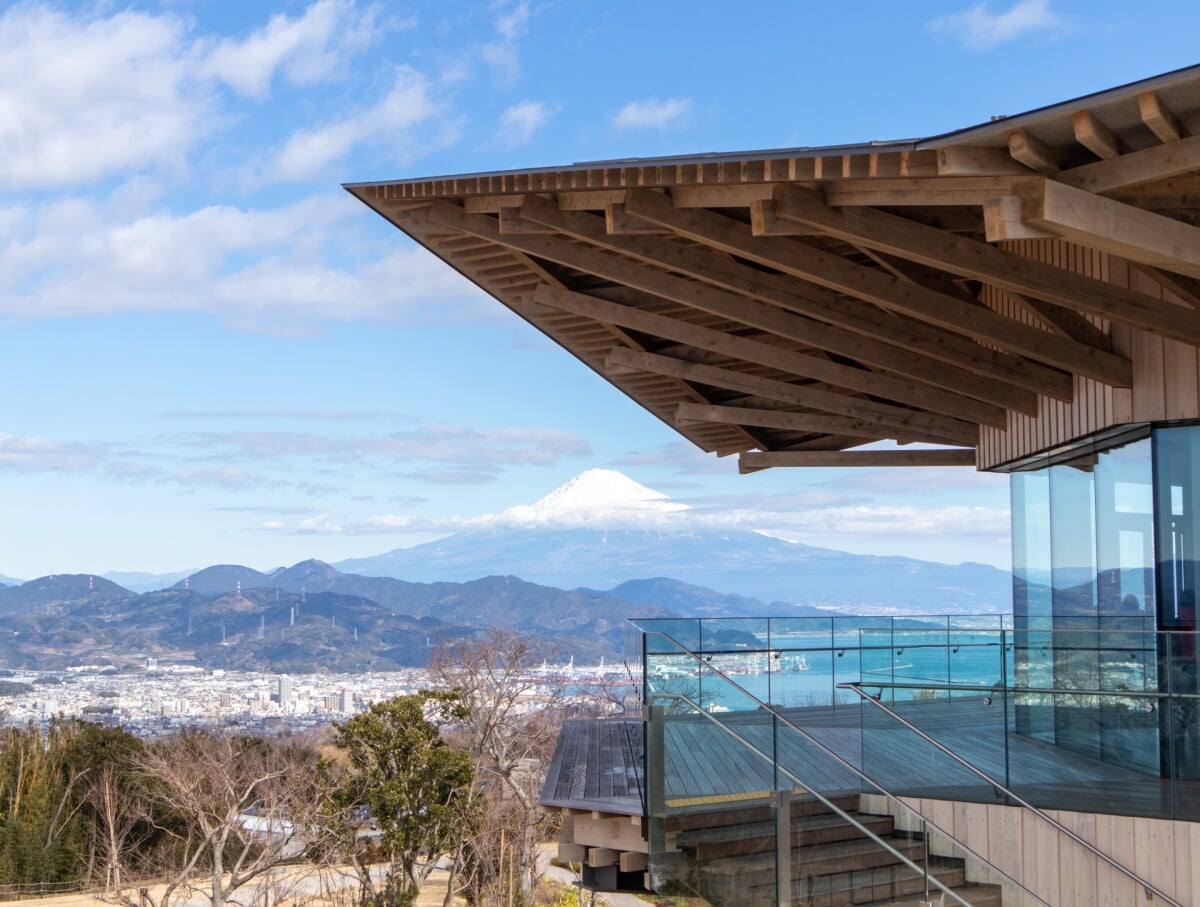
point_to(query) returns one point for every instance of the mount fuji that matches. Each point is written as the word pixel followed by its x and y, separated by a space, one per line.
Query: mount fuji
pixel 602 529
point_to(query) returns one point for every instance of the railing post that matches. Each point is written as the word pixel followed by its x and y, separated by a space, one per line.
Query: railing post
pixel 781 803
pixel 656 763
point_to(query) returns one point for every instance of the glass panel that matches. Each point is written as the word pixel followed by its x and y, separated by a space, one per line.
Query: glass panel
pixel 748 800
pixel 1032 601
pixel 1126 659
pixel 1177 495
pixel 1073 578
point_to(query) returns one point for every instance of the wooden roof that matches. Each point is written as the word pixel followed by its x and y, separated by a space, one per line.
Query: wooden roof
pixel 791 305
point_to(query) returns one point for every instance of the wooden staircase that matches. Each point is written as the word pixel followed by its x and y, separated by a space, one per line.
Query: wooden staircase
pixel 727 856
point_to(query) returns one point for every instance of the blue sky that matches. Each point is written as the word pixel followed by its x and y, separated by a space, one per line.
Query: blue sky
pixel 211 354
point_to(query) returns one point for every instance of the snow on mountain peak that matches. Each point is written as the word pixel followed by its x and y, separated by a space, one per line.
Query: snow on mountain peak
pixel 597 497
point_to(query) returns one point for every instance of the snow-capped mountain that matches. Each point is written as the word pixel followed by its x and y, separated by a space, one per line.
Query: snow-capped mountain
pixel 586 534
pixel 598 497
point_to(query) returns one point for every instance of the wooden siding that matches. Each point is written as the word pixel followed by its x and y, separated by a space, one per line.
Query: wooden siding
pixel 1166 373
pixel 1165 853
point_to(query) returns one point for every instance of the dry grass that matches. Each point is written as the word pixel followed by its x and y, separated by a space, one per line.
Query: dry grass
pixel 432 895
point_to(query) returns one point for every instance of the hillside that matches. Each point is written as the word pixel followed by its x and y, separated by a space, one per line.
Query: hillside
pixel 305 618
pixel 734 562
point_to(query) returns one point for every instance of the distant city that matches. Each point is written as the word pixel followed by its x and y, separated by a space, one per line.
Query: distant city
pixel 156 700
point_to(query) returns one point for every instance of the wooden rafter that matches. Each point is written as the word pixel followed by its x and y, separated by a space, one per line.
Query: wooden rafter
pixel 836 273
pixel 1094 135
pixel 1029 150
pixel 891 419
pixel 754 461
pixel 1120 229
pixel 1158 118
pixel 935 349
pixel 417 225
pixel 815 423
pixel 999 267
pixel 749 350
pixel 1155 163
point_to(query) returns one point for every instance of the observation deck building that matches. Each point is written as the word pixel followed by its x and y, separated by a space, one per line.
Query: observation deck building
pixel 1021 296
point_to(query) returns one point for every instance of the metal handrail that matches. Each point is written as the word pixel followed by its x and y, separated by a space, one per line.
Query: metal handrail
pixel 829 804
pixel 984 689
pixel 1150 889
pixel 702 663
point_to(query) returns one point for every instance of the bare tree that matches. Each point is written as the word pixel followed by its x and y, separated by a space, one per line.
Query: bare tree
pixel 119 812
pixel 235 807
pixel 513 720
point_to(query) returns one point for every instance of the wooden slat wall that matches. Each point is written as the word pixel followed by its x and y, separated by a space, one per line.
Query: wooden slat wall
pixel 1097 406
pixel 1164 852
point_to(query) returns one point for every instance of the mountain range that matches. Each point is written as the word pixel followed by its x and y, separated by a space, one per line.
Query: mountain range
pixel 593 532
pixel 569 567
pixel 302 619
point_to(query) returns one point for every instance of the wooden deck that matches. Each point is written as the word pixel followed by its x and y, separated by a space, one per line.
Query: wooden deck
pixel 597 765
pixel 728 758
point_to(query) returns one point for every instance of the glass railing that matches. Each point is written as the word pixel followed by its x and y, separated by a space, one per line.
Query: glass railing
pixel 800 662
pixel 1098 714
pixel 748 805
pixel 1088 720
pixel 918 765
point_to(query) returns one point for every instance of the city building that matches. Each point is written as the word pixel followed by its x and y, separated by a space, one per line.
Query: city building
pixel 284 690
pixel 1021 296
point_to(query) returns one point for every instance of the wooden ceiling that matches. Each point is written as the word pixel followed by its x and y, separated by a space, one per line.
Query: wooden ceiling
pixel 790 306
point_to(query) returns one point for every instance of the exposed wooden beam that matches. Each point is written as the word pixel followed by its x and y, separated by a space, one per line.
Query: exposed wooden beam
pixel 919 274
pixel 895 418
pixel 1160 120
pixel 754 461
pixel 619 223
pixel 849 328
pixel 896 193
pixel 966 160
pixel 772 356
pixel 1120 229
pixel 805 423
pixel 763 221
pixel 834 272
pixel 1027 149
pixel 721 196
pixel 738 439
pixel 1186 288
pixel 1065 322
pixel 1149 164
pixel 998 267
pixel 1094 135
pixel 1002 219
pixel 511 223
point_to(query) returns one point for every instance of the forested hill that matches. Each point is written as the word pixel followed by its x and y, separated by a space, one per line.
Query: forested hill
pixel 307 618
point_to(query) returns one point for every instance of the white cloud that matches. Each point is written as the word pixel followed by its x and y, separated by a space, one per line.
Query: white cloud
pixel 518 123
pixel 817 518
pixel 47 455
pixel 406 104
pixel 82 99
pixel 501 55
pixel 259 269
pixel 310 48
pixel 443 444
pixel 980 29
pixel 651 113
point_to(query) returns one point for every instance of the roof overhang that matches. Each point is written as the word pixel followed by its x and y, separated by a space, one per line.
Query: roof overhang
pixel 793 305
